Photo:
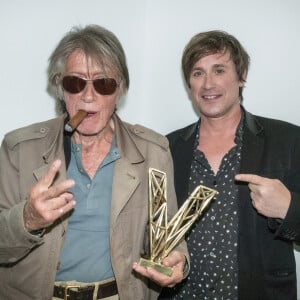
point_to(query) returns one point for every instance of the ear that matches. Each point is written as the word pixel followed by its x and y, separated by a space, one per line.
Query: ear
pixel 243 80
pixel 245 76
pixel 57 79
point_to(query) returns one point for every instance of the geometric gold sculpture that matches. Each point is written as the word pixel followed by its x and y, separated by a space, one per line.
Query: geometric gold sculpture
pixel 164 235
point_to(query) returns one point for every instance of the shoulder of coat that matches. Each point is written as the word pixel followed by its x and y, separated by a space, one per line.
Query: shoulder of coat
pixel 149 135
pixel 30 132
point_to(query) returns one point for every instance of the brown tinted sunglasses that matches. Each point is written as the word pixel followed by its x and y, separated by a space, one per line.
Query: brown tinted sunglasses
pixel 75 85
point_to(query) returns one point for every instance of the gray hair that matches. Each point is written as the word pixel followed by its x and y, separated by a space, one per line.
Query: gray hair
pixel 96 42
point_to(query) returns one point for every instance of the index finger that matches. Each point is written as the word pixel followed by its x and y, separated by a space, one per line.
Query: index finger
pixel 250 178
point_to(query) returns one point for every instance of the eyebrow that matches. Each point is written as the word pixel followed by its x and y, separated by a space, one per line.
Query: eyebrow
pixel 214 66
pixel 219 65
pixel 84 75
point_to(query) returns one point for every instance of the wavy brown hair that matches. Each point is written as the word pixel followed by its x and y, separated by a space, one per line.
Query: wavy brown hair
pixel 211 42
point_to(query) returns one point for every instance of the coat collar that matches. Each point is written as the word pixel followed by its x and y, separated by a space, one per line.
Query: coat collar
pixel 56 139
pixel 253 143
pixel 182 152
pixel 54 135
pixel 250 121
pixel 190 132
pixel 126 143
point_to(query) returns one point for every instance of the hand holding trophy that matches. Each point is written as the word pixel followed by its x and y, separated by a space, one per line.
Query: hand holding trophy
pixel 164 235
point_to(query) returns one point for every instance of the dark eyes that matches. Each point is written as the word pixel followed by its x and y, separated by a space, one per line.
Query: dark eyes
pixel 198 73
pixel 220 71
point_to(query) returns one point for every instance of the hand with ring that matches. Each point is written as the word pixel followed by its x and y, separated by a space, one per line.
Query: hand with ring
pixel 46 201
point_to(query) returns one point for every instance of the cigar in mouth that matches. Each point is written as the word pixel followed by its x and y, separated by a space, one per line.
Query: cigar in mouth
pixel 75 121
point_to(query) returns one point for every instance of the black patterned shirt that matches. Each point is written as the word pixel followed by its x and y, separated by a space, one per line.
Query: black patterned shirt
pixel 212 240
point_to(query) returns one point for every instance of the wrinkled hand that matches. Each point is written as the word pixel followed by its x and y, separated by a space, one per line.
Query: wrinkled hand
pixel 270 197
pixel 175 260
pixel 47 202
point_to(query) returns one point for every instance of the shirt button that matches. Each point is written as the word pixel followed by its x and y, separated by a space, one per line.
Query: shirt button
pixel 88 185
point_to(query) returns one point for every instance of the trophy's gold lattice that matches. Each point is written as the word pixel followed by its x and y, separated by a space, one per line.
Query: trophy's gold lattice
pixel 164 235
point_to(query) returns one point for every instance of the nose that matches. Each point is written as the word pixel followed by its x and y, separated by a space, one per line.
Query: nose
pixel 208 81
pixel 88 94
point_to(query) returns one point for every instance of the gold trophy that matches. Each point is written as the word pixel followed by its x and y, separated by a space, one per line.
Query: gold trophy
pixel 164 235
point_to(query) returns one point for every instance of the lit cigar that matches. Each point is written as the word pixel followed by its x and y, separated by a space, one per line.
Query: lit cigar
pixel 75 121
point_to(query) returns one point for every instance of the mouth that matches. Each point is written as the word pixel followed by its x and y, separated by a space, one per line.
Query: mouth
pixel 210 97
pixel 90 114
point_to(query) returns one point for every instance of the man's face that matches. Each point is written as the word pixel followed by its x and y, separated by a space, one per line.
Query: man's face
pixel 214 85
pixel 99 107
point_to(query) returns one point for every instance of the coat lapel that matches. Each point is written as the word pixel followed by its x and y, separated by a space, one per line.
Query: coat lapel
pixel 252 155
pixel 126 176
pixel 252 152
pixel 125 182
pixel 182 152
pixel 253 144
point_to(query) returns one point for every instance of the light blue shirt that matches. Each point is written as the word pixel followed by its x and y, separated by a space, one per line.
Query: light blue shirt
pixel 86 253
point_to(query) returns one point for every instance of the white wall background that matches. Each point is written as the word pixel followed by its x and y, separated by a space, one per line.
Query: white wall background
pixel 153 33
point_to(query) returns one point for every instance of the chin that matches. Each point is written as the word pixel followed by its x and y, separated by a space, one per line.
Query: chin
pixel 211 113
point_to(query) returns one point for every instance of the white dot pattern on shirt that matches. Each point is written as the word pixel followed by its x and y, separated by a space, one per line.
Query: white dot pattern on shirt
pixel 212 240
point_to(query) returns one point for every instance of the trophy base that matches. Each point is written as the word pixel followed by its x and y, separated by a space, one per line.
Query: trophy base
pixel 156 266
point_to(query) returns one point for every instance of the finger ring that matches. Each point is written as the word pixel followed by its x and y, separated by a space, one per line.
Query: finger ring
pixel 61 211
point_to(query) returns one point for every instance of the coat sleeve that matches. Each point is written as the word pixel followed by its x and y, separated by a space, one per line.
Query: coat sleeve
pixel 289 227
pixel 15 241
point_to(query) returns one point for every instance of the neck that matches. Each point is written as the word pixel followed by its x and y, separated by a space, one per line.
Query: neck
pixel 94 148
pixel 218 126
pixel 104 136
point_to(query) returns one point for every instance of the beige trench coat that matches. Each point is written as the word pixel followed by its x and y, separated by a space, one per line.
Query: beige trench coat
pixel 28 263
